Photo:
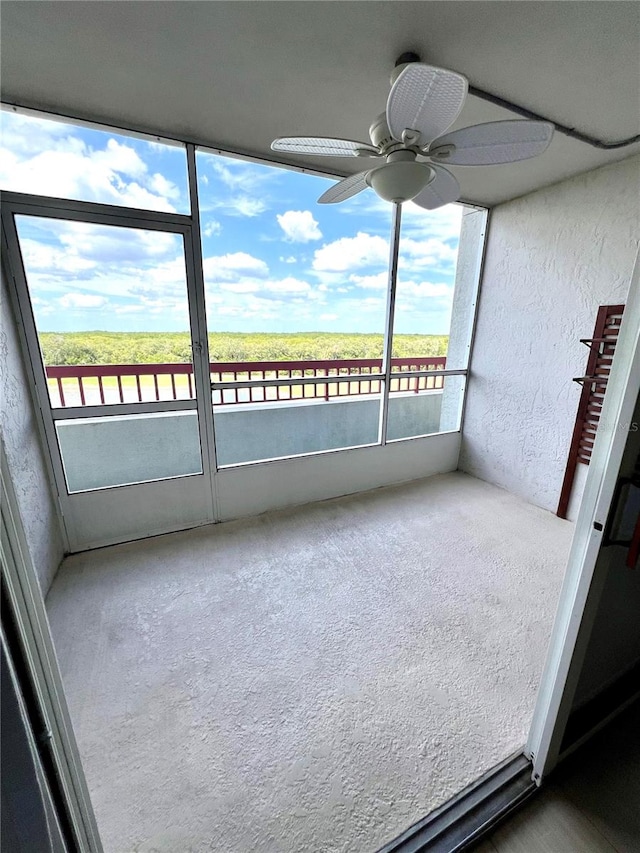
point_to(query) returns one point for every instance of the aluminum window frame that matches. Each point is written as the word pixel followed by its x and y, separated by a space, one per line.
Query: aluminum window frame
pixel 385 375
pixel 102 213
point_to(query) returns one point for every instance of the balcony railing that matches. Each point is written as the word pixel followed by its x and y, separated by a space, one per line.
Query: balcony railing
pixel 100 384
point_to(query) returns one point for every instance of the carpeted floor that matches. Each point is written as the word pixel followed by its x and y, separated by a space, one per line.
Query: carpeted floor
pixel 308 680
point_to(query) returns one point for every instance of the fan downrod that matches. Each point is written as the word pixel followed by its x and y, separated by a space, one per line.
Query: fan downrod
pixel 408 56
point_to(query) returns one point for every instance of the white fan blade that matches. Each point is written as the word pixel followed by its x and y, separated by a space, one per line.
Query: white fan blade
pixel 345 188
pixel 493 143
pixel 425 99
pixel 323 146
pixel 443 189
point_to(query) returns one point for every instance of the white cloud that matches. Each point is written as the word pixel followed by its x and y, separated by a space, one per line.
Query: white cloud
pixel 82 300
pixel 378 281
pixel 426 252
pixel 240 286
pixel 233 266
pixel 161 185
pixel 328 316
pixel 287 285
pixel 442 223
pixel 371 304
pixel 30 135
pixel 238 175
pixel 49 158
pixel 74 265
pixel 366 203
pixel 40 257
pixel 425 289
pixel 244 206
pixel 240 273
pixel 290 260
pixel 106 244
pixel 406 287
pixel 121 158
pixel 254 307
pixel 134 308
pixel 168 276
pixel 212 228
pixel 240 186
pixel 299 226
pixel 351 253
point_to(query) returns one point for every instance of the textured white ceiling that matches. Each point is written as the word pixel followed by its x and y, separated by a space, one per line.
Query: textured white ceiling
pixel 234 75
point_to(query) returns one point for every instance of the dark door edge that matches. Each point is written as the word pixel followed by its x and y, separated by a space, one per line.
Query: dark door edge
pixel 36 720
pixel 472 813
pixel 598 711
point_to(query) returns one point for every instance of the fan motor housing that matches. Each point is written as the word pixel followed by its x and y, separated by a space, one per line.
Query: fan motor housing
pixel 379 132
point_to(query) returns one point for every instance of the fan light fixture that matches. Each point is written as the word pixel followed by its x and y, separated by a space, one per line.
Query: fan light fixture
pixel 411 138
pixel 400 181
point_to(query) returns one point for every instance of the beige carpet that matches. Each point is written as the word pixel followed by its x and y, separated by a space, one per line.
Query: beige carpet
pixel 309 680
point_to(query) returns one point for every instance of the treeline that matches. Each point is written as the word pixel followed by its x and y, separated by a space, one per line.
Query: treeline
pixel 171 347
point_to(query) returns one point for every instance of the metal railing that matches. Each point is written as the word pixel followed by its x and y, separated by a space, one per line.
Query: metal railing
pixel 100 384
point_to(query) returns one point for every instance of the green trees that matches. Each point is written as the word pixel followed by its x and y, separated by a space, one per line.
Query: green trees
pixel 175 347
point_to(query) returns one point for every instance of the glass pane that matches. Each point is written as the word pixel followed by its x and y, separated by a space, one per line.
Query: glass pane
pixel 117 451
pixel 294 290
pixel 53 158
pixel 426 279
pixel 425 405
pixel 437 284
pixel 111 311
pixel 435 304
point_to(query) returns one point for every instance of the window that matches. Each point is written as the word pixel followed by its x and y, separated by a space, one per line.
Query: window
pixel 110 306
pixel 438 266
pixel 297 291
pixel 111 315
pixel 295 296
pixel 54 158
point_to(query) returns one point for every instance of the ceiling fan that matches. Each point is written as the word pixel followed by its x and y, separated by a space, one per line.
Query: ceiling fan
pixel 410 139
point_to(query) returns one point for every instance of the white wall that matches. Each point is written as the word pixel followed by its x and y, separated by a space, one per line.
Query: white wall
pixel 552 258
pixel 24 455
pixel 253 489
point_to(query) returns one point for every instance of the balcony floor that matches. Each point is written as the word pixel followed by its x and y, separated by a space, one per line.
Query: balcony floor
pixel 308 680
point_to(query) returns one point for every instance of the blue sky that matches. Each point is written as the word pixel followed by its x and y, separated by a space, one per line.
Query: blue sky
pixel 274 260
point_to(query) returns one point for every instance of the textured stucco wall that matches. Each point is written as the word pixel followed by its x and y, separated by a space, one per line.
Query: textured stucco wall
pixel 24 453
pixel 552 258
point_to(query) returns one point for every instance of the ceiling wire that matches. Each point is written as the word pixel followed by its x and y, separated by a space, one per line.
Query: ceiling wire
pixel 561 128
pixel 411 56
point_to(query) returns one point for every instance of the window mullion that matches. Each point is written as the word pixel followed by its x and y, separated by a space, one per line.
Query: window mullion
pixel 389 319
